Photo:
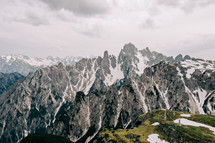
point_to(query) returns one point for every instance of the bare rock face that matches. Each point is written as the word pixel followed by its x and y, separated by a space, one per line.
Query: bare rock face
pixel 179 58
pixel 77 101
pixel 6 80
pixel 187 57
pixel 96 110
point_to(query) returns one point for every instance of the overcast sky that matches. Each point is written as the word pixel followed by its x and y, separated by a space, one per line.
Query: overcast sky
pixel 88 27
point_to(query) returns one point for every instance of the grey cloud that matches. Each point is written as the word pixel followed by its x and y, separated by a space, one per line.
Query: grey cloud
pixel 169 2
pixel 186 5
pixel 33 19
pixel 148 24
pixel 25 12
pixel 80 7
pixel 95 31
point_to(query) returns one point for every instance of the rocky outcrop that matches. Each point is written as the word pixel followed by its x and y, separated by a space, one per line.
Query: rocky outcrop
pixel 77 101
pixel 178 58
pixel 6 80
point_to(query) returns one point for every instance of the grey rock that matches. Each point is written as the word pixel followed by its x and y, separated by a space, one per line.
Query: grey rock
pixel 178 58
pixel 7 80
pixel 187 57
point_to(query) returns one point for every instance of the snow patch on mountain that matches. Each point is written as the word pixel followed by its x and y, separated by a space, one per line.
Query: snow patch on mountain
pixel 197 102
pixel 142 63
pixel 126 125
pixel 201 94
pixel 163 95
pixel 192 65
pixel 141 97
pixel 199 107
pixel 184 121
pixel 153 138
pixel 156 124
pixel 116 74
pixel 185 115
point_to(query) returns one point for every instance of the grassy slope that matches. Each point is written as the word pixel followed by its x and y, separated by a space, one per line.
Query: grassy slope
pixel 167 130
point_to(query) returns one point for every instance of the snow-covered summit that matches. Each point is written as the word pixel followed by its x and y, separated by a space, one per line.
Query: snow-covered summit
pixel 24 64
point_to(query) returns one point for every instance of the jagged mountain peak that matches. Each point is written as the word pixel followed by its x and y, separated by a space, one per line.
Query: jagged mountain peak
pixel 129 49
pixel 179 58
pixel 187 57
pixel 147 49
pixel 106 55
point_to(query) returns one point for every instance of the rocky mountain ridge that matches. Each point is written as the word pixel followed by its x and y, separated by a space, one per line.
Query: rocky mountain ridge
pixel 24 64
pixel 7 80
pixel 77 101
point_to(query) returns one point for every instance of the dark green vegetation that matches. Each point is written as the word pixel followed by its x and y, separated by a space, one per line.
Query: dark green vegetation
pixel 167 129
pixel 44 138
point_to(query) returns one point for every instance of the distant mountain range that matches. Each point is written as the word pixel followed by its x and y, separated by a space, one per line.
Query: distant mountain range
pixel 77 101
pixel 23 64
